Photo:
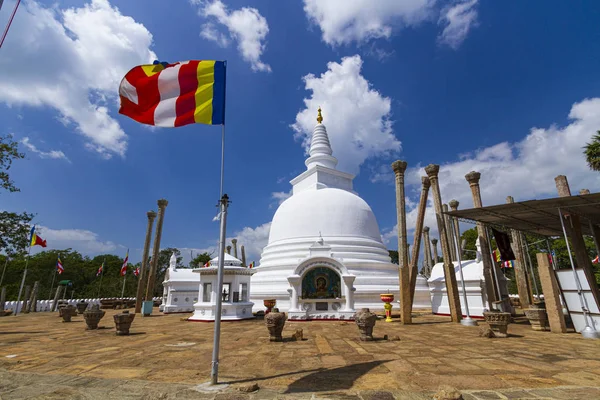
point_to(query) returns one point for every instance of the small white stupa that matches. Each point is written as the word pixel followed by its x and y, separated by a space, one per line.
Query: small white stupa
pixel 474 285
pixel 325 258
pixel 180 289
pixel 235 295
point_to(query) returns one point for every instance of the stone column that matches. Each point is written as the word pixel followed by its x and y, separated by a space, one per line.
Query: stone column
pixel 473 179
pixel 456 236
pixel 573 227
pixel 349 282
pixel 56 296
pixel 399 168
pixel 432 171
pixel 234 242
pixel 243 256
pixel 144 270
pixel 24 308
pixel 449 230
pixel 31 307
pixel 525 296
pixel 434 242
pixel 551 294
pixel 229 250
pixel 162 205
pixel 414 261
pixel 2 299
pixel 428 261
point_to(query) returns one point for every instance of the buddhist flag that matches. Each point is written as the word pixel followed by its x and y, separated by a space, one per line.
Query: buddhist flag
pixel 136 271
pixel 496 254
pixel 59 267
pixel 101 269
pixel 207 264
pixel 173 95
pixel 124 267
pixel 596 260
pixel 251 265
pixel 35 240
pixel 508 264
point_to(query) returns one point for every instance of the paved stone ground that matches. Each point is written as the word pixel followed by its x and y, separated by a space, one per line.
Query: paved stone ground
pixel 166 357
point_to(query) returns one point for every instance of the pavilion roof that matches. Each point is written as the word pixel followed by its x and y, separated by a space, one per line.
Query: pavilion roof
pixel 539 217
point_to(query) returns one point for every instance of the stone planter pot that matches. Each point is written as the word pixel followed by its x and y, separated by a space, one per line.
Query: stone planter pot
pixel 275 322
pixel 269 304
pixel 365 320
pixel 538 318
pixel 81 306
pixel 93 316
pixel 498 322
pixel 123 322
pixel 67 312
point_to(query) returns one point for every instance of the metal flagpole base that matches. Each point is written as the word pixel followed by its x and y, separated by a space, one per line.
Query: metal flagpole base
pixel 468 321
pixel 590 333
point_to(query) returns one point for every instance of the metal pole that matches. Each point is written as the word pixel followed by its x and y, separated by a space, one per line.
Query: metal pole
pixel 22 281
pixel 214 374
pixel 468 321
pixel 535 285
pixel 101 276
pixel 12 16
pixel 493 265
pixel 124 280
pixel 52 284
pixel 3 271
pixel 588 332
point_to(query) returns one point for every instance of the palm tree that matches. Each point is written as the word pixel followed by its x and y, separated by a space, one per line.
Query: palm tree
pixel 592 152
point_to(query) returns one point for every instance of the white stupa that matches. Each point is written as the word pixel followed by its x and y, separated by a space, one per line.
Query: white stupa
pixel 325 257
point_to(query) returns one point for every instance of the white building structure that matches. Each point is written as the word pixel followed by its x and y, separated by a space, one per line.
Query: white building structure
pixel 422 297
pixel 474 286
pixel 180 289
pixel 325 258
pixel 235 295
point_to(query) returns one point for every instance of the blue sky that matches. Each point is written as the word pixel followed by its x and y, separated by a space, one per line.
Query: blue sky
pixel 510 89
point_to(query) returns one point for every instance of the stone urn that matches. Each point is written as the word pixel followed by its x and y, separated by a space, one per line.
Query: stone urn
pixel 537 316
pixel 269 304
pixel 498 322
pixel 387 299
pixel 123 322
pixel 275 321
pixel 67 312
pixel 93 316
pixel 81 306
pixel 365 320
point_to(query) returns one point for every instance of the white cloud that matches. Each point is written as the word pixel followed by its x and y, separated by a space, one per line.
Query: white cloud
pixel 254 240
pixel 357 116
pixel 345 21
pixel 280 197
pixel 457 21
pixel 86 242
pixel 525 169
pixel 246 26
pixel 72 60
pixel 54 154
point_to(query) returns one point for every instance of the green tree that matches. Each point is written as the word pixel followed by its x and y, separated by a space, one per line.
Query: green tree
pixel 200 260
pixel 470 237
pixel 592 152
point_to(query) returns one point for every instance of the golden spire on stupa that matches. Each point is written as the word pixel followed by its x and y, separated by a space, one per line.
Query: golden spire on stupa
pixel 319 117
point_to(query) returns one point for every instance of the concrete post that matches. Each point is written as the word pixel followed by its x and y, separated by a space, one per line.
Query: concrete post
pixel 523 288
pixel 473 179
pixel 56 298
pixel 234 242
pixel 2 299
pixel 243 256
pixel 414 261
pixel 144 270
pixel 450 234
pixel 24 308
pixel 432 171
pixel 551 294
pixel 399 168
pixel 31 307
pixel 229 250
pixel 162 205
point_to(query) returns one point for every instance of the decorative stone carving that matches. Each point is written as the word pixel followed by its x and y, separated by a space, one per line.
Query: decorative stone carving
pixel 67 312
pixel 365 320
pixel 123 322
pixel 275 321
pixel 498 322
pixel 537 316
pixel 81 306
pixel 93 316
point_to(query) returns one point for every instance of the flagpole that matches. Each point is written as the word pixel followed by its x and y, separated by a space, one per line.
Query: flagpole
pixel 124 280
pixel 52 284
pixel 23 280
pixel 101 276
pixel 4 270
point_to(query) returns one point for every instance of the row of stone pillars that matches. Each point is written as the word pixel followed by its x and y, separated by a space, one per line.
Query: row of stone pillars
pixel 147 275
pixel 29 299
pixel 235 251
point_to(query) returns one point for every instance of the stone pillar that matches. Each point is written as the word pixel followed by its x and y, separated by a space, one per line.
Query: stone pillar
pixel 234 242
pixel 294 281
pixel 144 270
pixel 551 292
pixel 2 299
pixel 523 288
pixel 449 230
pixel 243 256
pixel 54 303
pixel 349 282
pixel 408 255
pixel 414 261
pixel 162 204
pixel 229 250
pixel 399 168
pixel 32 307
pixel 434 242
pixel 24 308
pixel 573 227
pixel 473 179
pixel 432 171
pixel 456 236
pixel 428 260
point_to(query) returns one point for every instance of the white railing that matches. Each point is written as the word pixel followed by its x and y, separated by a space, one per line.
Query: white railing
pixel 46 305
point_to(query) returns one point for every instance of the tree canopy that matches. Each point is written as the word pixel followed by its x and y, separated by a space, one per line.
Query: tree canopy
pixel 592 152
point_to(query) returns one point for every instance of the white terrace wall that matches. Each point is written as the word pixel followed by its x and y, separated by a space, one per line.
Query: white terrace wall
pixel 46 305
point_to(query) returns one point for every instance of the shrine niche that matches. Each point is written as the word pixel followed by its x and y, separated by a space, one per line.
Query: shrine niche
pixel 321 283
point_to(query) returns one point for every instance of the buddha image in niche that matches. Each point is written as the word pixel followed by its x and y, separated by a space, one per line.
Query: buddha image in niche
pixel 321 286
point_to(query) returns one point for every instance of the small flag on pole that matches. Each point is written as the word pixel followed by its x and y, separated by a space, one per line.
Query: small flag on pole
pixel 251 265
pixel 497 256
pixel 508 264
pixel 207 264
pixel 100 270
pixel 35 240
pixel 136 271
pixel 124 267
pixel 173 95
pixel 59 267
pixel 596 260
